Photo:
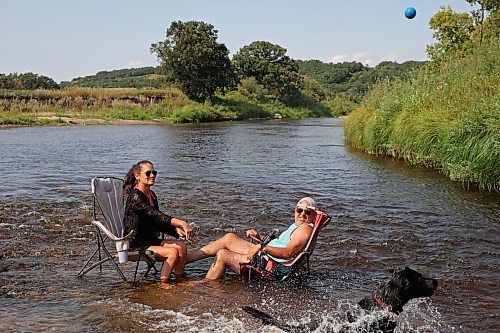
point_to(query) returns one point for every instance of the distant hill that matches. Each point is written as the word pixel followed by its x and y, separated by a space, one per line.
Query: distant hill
pixel 144 77
pixel 352 77
pixel 348 78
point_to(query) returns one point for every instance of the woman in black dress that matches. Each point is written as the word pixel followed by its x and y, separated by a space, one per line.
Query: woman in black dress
pixel 143 216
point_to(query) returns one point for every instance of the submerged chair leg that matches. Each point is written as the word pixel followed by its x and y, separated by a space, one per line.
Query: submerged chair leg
pixel 109 257
pixel 137 266
pixel 82 273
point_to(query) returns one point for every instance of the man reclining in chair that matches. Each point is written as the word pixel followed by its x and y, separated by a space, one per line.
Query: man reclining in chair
pixel 230 250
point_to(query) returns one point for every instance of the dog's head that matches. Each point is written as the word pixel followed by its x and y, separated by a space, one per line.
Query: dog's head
pixel 405 284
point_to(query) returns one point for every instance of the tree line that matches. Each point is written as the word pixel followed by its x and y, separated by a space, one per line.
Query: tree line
pixel 27 81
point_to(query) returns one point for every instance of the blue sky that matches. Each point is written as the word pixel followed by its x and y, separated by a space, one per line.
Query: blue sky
pixel 64 39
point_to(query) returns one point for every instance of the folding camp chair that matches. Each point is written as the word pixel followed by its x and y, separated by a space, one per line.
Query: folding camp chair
pixel 268 268
pixel 107 192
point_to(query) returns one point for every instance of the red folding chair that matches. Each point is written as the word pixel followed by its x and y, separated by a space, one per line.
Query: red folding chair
pixel 265 266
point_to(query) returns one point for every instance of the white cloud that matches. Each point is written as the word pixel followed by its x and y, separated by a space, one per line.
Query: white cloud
pixel 135 63
pixel 363 57
pixel 391 57
pixel 366 58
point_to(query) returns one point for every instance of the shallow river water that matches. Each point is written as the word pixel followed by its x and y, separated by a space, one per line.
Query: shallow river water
pixel 228 177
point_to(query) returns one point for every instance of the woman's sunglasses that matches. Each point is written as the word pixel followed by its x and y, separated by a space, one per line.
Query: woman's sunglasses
pixel 149 172
pixel 300 210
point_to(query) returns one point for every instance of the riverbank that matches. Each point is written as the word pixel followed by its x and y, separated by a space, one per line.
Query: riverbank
pixel 446 119
pixel 53 107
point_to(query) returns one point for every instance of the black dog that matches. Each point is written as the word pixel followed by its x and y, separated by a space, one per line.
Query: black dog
pixel 404 285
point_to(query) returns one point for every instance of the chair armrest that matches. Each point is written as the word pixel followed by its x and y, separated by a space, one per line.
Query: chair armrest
pixel 109 233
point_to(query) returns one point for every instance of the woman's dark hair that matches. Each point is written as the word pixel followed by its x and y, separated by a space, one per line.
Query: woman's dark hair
pixel 130 181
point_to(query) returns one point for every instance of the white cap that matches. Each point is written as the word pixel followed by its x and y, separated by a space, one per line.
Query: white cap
pixel 312 203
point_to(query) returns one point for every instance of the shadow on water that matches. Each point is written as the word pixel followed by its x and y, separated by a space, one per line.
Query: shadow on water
pixel 229 177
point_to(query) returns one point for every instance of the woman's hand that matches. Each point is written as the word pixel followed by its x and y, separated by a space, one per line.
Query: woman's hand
pixel 252 251
pixel 188 231
pixel 183 229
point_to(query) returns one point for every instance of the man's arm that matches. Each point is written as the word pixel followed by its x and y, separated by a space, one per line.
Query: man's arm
pixel 254 234
pixel 298 241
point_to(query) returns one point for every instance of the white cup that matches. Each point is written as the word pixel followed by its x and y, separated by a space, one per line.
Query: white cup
pixel 122 248
pixel 122 257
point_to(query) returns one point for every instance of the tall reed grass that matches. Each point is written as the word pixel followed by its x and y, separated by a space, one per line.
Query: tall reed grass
pixel 447 119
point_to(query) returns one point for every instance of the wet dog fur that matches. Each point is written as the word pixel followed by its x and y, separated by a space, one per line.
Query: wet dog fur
pixel 404 285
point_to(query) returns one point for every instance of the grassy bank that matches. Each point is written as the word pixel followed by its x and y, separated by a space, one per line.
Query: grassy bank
pixel 40 107
pixel 448 120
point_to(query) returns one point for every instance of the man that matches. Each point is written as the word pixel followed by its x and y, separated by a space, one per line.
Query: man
pixel 230 250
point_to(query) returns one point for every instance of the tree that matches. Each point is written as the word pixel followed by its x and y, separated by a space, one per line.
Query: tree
pixel 492 23
pixel 192 57
pixel 453 33
pixel 29 81
pixel 33 81
pixel 270 66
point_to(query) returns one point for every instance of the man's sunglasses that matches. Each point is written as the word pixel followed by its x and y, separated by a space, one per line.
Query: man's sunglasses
pixel 149 172
pixel 300 210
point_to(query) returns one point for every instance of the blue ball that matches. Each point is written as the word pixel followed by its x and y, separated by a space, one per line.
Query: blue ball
pixel 410 13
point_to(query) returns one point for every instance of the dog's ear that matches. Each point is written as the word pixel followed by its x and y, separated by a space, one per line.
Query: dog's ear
pixel 400 279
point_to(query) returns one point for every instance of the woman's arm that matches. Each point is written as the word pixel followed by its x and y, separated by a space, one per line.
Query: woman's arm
pixel 138 204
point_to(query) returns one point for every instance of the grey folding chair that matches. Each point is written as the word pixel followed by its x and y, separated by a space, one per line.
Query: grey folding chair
pixel 107 193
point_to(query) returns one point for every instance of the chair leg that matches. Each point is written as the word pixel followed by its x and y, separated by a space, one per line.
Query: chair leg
pixel 151 265
pixel 109 257
pixel 137 266
pixel 98 233
pixel 80 274
pixel 114 263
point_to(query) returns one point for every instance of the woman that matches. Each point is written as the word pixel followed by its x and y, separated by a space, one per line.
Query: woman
pixel 143 216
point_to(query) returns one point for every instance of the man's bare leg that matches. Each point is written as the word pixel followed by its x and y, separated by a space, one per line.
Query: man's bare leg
pixel 230 241
pixel 223 259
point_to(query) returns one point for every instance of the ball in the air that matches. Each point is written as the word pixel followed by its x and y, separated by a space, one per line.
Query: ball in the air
pixel 410 13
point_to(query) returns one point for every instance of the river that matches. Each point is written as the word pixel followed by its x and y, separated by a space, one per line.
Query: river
pixel 228 177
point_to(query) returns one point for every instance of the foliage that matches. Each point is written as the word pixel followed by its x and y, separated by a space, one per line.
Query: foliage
pixel 29 81
pixel 487 19
pixel 453 32
pixel 334 77
pixel 447 119
pixel 351 79
pixel 458 32
pixel 144 77
pixel 269 65
pixel 192 57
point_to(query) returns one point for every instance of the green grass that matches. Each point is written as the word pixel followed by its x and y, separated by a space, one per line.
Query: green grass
pixel 449 120
pixel 24 107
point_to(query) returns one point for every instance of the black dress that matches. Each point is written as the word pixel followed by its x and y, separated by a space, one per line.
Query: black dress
pixel 146 220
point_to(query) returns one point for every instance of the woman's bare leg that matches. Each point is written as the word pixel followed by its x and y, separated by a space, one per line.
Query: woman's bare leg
pixel 181 248
pixel 170 256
